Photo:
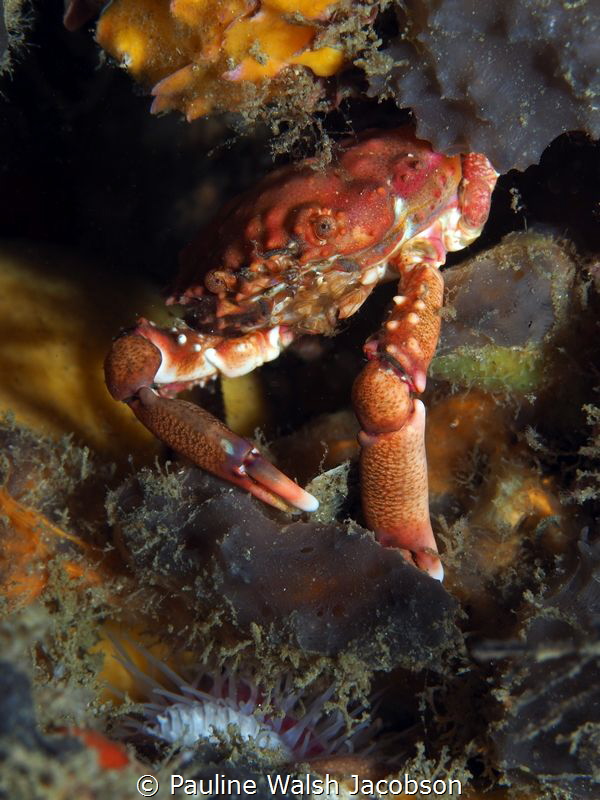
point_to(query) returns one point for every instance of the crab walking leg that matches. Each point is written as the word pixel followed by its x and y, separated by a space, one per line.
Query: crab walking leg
pixel 149 357
pixel 393 462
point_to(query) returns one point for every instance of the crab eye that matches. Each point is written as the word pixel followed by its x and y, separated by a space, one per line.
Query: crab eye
pixel 323 226
pixel 218 281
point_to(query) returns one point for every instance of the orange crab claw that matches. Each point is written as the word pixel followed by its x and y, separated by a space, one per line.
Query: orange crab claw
pixel 393 461
pixel 394 468
pixel 130 369
pixel 206 441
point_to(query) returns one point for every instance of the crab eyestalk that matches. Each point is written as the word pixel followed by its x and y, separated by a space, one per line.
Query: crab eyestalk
pixel 131 369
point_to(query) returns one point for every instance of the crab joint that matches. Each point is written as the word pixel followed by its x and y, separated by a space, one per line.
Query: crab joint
pixel 131 363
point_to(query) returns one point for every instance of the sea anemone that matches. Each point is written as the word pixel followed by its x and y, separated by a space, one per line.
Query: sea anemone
pixel 223 706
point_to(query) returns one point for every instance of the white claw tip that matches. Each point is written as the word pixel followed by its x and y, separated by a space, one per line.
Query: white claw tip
pixel 437 571
pixel 308 502
pixel 419 411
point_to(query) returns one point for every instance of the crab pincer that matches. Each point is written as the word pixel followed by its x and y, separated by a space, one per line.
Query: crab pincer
pixel 130 370
pixel 393 461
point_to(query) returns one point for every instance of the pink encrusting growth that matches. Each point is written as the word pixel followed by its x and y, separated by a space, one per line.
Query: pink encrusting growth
pixel 223 706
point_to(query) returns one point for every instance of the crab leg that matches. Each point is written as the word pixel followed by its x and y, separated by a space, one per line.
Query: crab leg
pixel 392 462
pixel 150 356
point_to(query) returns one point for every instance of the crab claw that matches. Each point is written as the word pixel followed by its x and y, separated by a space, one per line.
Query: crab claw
pixel 130 369
pixel 393 460
pixel 394 486
pixel 206 441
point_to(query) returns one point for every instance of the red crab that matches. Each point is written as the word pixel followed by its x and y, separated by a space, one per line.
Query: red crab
pixel 295 255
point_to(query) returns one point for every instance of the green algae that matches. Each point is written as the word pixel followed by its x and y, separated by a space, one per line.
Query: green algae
pixel 493 368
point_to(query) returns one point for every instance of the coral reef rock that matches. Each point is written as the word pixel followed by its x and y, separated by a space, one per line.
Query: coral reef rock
pixel 550 693
pixel 503 79
pixel 14 21
pixel 324 587
pixel 507 304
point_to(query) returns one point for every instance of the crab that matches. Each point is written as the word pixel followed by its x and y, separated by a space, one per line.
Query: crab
pixel 294 256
